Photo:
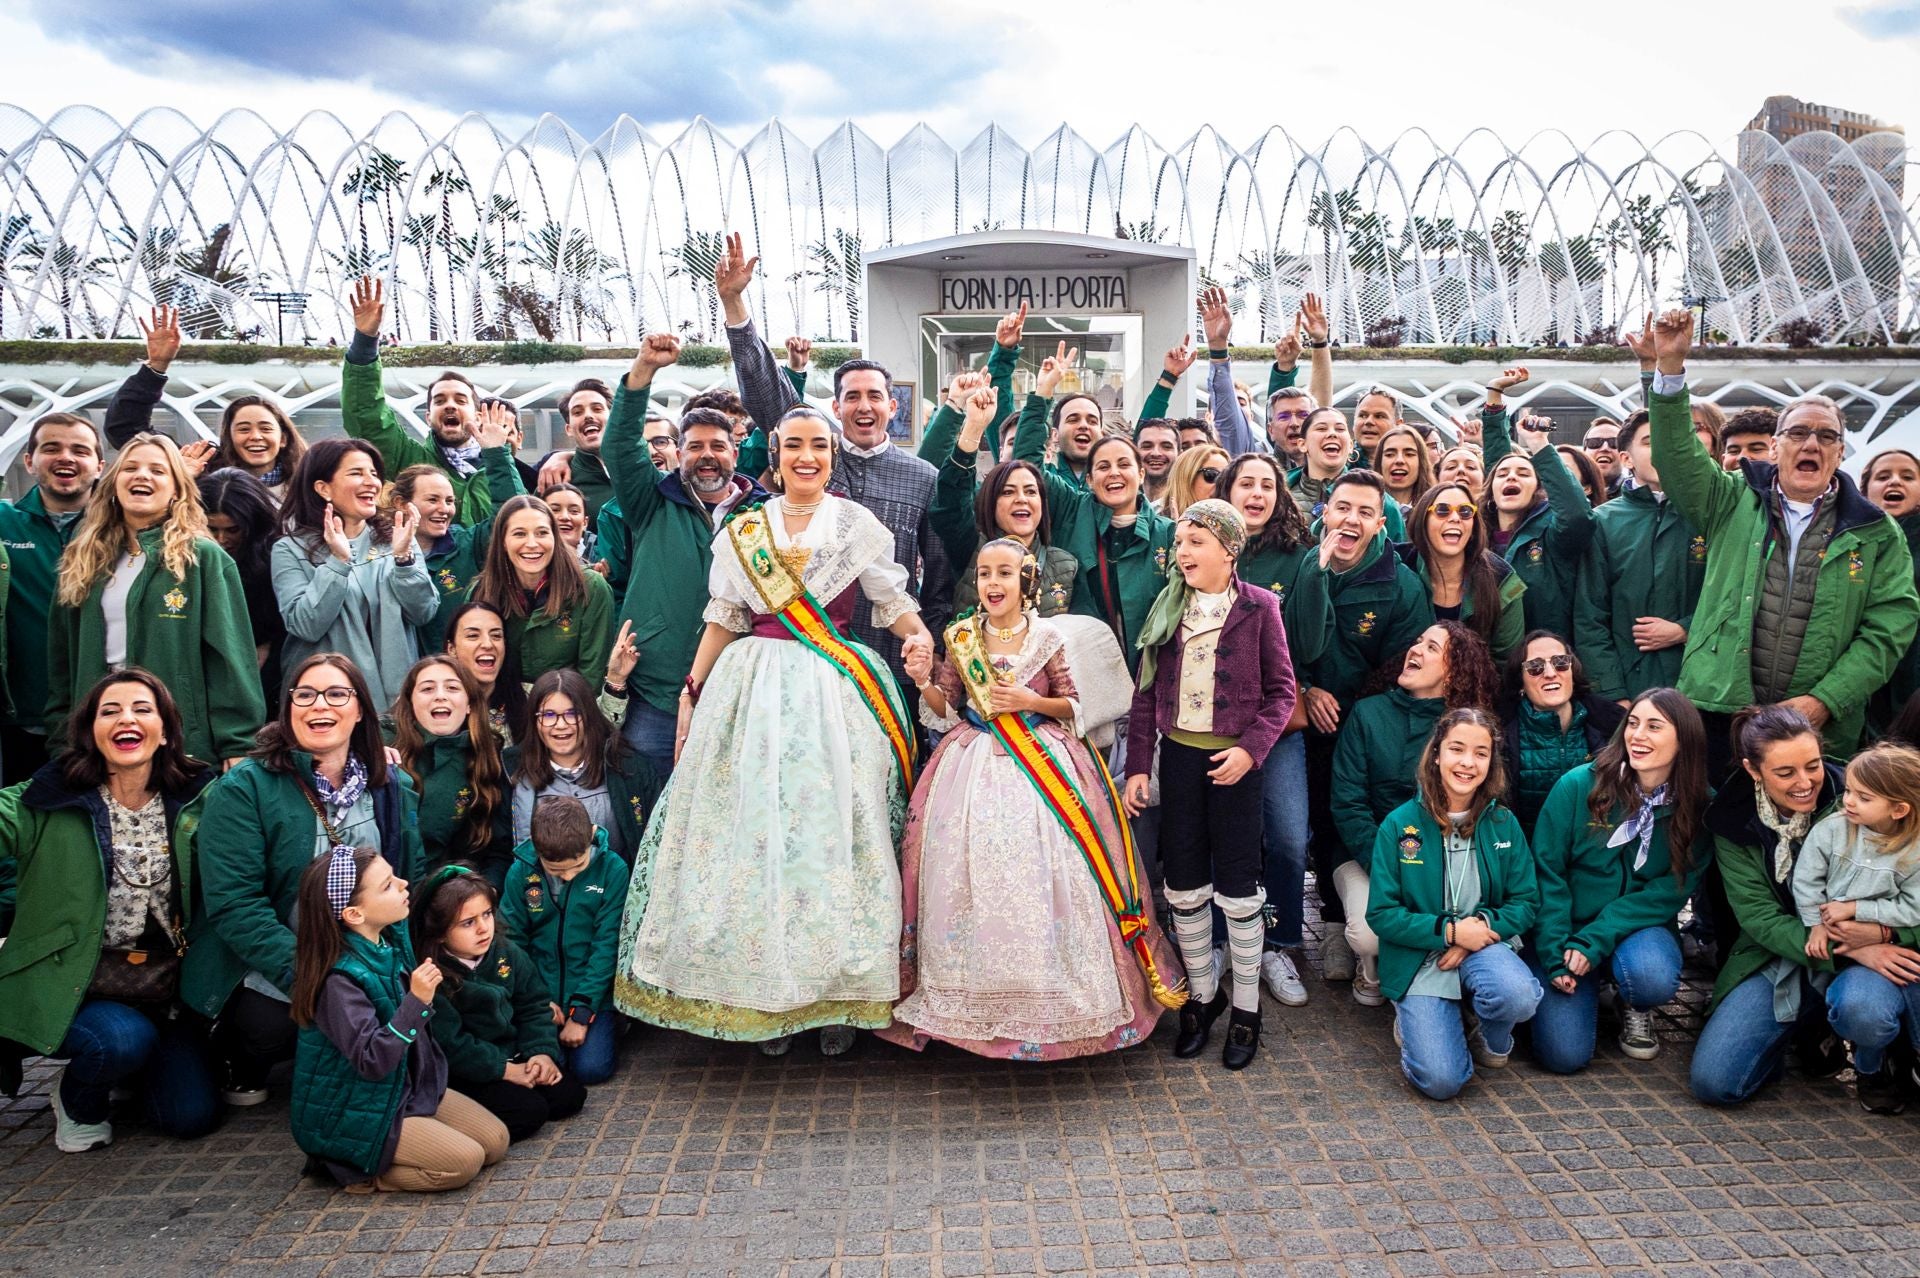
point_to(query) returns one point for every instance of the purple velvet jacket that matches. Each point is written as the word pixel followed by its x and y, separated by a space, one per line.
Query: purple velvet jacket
pixel 1253 689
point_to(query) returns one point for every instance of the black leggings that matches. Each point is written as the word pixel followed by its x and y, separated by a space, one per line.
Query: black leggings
pixel 254 1034
pixel 525 1110
pixel 1209 834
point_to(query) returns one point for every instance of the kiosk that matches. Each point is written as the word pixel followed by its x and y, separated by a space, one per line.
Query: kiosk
pixel 931 309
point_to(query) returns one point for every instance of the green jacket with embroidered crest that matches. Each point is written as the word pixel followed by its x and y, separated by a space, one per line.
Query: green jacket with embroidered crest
pixel 576 943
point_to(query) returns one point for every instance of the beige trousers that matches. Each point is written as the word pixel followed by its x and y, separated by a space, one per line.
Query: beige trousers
pixel 447 1150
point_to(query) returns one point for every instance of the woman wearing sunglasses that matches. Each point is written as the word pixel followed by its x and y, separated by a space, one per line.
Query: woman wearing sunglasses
pixel 1447 547
pixel 1195 475
pixel 1553 721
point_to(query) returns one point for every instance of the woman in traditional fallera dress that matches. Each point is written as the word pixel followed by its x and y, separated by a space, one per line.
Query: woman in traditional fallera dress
pixel 765 896
pixel 1011 945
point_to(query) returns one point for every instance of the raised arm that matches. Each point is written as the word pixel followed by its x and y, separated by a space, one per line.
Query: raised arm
pixel 1178 360
pixel 1001 365
pixel 1228 421
pixel 636 480
pixel 364 411
pixel 130 411
pixel 1706 494
pixel 1313 322
pixel 766 393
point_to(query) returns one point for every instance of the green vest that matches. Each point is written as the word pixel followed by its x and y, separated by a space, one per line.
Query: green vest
pixel 338 1115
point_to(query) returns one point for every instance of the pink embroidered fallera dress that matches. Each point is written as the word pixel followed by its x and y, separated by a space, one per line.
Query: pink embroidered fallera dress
pixel 1008 948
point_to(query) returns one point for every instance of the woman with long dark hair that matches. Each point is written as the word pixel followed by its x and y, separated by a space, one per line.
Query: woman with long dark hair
pixel 441 734
pixel 348 576
pixel 477 638
pixel 570 747
pixel 1553 721
pixel 1537 519
pixel 241 518
pixel 100 913
pixel 317 778
pixel 1620 848
pixel 559 615
pixel 1402 459
pixel 1447 547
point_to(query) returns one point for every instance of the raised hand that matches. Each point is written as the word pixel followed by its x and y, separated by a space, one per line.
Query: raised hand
pixel 962 387
pixel 333 530
pixel 424 980
pixel 1286 351
pixel 799 351
pixel 406 521
pixel 980 408
pixel 1467 429
pixel 1007 332
pixel 197 454
pixel 1508 379
pixel 1180 358
pixel 1216 321
pixel 734 271
pixel 657 351
pixel 1313 317
pixel 1054 368
pixel 1641 343
pixel 624 657
pixel 1533 432
pixel 369 305
pixel 163 337
pixel 1672 340
pixel 496 425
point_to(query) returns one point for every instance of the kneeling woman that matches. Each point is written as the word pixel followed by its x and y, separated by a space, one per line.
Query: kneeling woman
pixel 796 770
pixel 1019 935
pixel 93 845
pixel 1216 691
pixel 1452 892
pixel 1619 850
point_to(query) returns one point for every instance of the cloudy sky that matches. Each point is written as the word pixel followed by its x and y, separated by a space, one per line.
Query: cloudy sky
pixel 1380 67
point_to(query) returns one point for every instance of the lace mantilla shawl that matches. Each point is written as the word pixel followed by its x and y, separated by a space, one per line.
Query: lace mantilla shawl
pixel 852 542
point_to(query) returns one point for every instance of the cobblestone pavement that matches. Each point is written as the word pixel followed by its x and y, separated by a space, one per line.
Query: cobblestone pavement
pixel 704 1158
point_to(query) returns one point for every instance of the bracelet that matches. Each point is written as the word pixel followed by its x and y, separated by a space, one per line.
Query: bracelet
pixel 1320 345
pixel 619 693
pixel 1168 380
pixel 1886 935
pixel 407 562
pixel 1219 352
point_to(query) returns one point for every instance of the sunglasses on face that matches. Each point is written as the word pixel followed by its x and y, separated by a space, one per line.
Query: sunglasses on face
pixel 1537 666
pixel 1595 443
pixel 1210 473
pixel 1448 510
pixel 304 696
pixel 1828 437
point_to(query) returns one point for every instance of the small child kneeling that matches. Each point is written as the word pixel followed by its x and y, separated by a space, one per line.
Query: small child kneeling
pixel 491 1014
pixel 370 1095
pixel 564 897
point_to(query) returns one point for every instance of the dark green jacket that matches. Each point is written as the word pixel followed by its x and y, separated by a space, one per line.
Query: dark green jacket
pixel 33 542
pixel 57 845
pixel 576 943
pixel 445 797
pixel 1645 560
pixel 1538 753
pixel 671 535
pixel 1407 887
pixel 1512 625
pixel 1548 544
pixel 579 639
pixel 1380 607
pixel 1306 607
pixel 1375 760
pixel 365 414
pixel 614 545
pixel 1312 507
pixel 1865 608
pixel 588 472
pixel 1906 676
pixel 455 560
pixel 193 634
pixel 337 1113
pixel 501 1012
pixel 256 837
pixel 1591 897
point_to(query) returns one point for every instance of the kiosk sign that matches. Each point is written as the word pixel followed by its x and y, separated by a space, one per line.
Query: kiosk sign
pixel 997 292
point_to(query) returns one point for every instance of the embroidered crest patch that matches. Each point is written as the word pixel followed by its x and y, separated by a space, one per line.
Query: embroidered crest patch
pixel 1698 548
pixel 536 900
pixel 1368 621
pixel 1410 846
pixel 175 599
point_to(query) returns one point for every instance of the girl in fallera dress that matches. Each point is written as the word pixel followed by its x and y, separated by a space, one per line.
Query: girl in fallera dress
pixel 1011 945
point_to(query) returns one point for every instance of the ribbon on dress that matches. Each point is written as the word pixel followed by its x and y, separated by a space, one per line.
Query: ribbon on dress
pixel 786 596
pixel 1054 783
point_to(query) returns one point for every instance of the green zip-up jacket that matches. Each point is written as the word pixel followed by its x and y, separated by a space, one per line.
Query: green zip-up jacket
pixel 1312 507
pixel 1306 606
pixel 257 835
pixel 1375 760
pixel 1549 543
pixel 1591 896
pixel 1080 525
pixel 34 541
pixel 193 634
pixel 588 472
pixel 502 1011
pixel 671 536
pixel 580 638
pixel 456 559
pixel 1380 606
pixel 1407 887
pixel 1865 608
pixel 576 942
pixel 1906 676
pixel 365 414
pixel 445 797
pixel 1645 560
pixel 1512 626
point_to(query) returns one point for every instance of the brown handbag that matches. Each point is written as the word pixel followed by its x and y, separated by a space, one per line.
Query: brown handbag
pixel 136 976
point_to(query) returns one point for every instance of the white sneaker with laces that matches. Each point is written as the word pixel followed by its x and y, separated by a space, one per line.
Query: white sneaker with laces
pixel 70 1137
pixel 1366 984
pixel 1483 1056
pixel 1282 978
pixel 1637 1039
pixel 1336 957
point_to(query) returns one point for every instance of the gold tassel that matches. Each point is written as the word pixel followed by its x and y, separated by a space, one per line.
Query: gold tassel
pixel 1172 999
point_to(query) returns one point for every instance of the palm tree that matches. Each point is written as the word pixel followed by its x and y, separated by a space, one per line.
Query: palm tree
pixel 374 181
pixel 73 273
pixel 838 266
pixel 694 261
pixel 17 238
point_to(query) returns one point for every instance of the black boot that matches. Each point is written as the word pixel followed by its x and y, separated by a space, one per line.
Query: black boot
pixel 1196 1022
pixel 1879 1092
pixel 1243 1039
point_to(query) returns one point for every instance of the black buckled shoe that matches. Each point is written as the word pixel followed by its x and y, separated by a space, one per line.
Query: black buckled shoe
pixel 1196 1023
pixel 1243 1039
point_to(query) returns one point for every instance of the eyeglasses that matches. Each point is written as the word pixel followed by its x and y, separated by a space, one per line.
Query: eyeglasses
pixel 1288 415
pixel 1447 510
pixel 1210 473
pixel 1595 442
pixel 1828 437
pixel 1537 666
pixel 304 696
pixel 550 717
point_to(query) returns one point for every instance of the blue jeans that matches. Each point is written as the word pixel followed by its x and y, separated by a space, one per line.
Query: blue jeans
pixel 1433 1053
pixel 592 1062
pixel 1283 810
pixel 108 1044
pixel 651 731
pixel 1867 1009
pixel 1741 1047
pixel 1646 966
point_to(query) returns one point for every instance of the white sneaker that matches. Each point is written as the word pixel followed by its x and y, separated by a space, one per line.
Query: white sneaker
pixel 1637 1039
pixel 1336 957
pixel 776 1046
pixel 1484 1056
pixel 1366 991
pixel 836 1040
pixel 1282 978
pixel 70 1137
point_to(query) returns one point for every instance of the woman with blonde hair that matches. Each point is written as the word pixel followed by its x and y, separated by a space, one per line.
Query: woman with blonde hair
pixel 141 578
pixel 1194 474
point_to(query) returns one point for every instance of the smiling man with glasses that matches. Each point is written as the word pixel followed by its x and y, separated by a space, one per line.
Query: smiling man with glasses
pixel 1808 597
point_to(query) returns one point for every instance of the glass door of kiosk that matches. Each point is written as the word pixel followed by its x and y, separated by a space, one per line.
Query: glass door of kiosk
pixel 1109 369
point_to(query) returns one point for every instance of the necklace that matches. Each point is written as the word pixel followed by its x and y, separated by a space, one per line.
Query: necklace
pixel 794 508
pixel 1011 633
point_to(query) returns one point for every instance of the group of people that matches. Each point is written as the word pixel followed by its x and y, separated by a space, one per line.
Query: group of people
pixel 754 723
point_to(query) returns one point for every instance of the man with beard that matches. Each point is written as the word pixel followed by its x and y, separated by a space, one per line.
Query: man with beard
pixel 671 518
pixel 453 412
pixel 64 458
pixel 1159 444
pixel 895 485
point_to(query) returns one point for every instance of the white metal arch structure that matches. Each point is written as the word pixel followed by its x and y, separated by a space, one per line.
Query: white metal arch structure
pixel 483 235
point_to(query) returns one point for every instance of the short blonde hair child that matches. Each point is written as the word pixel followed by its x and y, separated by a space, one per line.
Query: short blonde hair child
pixel 1893 772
